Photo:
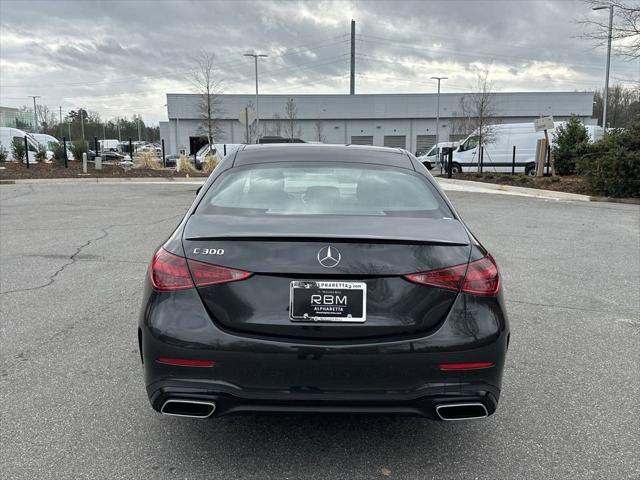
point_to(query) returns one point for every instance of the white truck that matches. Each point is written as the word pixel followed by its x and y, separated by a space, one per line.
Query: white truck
pixel 498 151
pixel 8 135
pixel 431 158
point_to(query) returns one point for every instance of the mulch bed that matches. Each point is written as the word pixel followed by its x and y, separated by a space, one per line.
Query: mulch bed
pixel 569 184
pixel 14 170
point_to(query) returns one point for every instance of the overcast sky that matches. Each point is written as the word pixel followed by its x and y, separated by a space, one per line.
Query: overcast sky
pixel 119 58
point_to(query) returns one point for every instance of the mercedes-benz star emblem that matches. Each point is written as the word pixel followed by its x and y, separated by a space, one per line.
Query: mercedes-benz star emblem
pixel 329 257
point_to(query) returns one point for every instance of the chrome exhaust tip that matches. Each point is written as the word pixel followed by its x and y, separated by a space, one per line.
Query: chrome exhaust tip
pixel 188 408
pixel 451 412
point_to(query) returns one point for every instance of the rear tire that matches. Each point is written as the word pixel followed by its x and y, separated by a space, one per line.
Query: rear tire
pixel 456 168
pixel 530 170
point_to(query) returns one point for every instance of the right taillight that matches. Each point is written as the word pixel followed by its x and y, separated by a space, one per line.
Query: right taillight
pixel 480 277
pixel 170 272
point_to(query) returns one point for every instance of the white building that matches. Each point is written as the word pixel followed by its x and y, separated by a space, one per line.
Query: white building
pixel 395 120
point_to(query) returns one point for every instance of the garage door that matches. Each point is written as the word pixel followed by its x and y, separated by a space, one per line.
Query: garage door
pixel 424 143
pixel 361 140
pixel 457 137
pixel 395 141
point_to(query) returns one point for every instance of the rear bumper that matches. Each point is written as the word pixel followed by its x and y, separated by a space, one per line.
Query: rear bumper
pixel 258 374
pixel 228 403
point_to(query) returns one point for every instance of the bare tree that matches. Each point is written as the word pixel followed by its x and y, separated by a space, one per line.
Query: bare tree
pixel 203 78
pixel 480 109
pixel 319 128
pixel 624 105
pixel 625 34
pixel 290 116
pixel 46 117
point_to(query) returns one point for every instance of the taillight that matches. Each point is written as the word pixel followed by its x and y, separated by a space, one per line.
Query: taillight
pixel 480 277
pixel 205 274
pixel 171 272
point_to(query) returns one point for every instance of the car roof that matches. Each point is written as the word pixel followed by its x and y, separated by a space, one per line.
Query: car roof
pixel 313 152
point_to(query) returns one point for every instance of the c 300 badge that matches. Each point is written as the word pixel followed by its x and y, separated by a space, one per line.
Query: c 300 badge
pixel 208 251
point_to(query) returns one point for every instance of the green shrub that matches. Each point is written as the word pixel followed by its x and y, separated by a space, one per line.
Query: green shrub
pixel 570 142
pixel 78 147
pixel 58 153
pixel 41 154
pixel 3 154
pixel 17 149
pixel 612 166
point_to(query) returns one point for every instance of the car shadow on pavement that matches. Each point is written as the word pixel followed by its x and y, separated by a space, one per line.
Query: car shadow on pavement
pixel 323 444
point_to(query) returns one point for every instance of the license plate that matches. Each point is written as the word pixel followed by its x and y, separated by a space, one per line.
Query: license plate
pixel 328 301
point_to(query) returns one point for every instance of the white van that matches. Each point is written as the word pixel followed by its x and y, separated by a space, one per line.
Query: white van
pixel 8 134
pixel 431 158
pixel 108 145
pixel 498 153
pixel 48 142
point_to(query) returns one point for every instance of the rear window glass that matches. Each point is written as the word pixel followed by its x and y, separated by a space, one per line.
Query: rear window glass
pixel 278 189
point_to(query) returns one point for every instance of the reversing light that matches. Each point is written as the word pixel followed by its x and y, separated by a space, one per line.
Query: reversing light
pixel 466 366
pixel 186 362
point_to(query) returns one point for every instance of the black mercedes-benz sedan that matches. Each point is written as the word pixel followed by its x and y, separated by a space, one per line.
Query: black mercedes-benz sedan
pixel 323 278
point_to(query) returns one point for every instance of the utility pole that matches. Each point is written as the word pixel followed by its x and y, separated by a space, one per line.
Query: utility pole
pixel 35 113
pixel 255 58
pixel 352 85
pixel 60 107
pixel 119 139
pixel 80 110
pixel 438 111
pixel 606 80
pixel 138 123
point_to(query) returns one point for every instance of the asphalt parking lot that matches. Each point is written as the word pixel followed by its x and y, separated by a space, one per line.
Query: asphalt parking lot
pixel 72 400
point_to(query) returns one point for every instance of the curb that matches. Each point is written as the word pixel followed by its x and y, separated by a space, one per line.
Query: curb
pixel 41 181
pixel 529 192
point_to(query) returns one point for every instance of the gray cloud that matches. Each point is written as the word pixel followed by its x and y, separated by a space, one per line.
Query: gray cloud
pixel 120 58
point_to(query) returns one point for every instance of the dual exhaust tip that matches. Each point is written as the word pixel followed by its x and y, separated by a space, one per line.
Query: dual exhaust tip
pixel 451 412
pixel 203 409
pixel 188 408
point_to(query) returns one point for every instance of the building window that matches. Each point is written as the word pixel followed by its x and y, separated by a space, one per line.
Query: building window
pixel 361 140
pixel 395 141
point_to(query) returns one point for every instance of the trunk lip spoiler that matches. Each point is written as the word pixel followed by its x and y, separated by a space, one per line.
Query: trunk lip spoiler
pixel 331 238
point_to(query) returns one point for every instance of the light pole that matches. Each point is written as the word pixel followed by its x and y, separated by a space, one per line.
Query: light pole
pixel 606 80
pixel 255 58
pixel 438 112
pixel 35 114
pixel 60 108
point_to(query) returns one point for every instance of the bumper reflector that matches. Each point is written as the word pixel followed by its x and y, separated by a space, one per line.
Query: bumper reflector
pixel 466 366
pixel 186 362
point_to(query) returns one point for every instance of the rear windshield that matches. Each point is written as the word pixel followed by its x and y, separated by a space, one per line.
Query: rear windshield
pixel 278 189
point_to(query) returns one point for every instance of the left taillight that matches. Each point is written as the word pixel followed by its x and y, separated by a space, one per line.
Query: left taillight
pixel 170 272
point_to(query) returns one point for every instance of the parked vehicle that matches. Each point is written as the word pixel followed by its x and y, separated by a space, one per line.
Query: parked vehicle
pixel 108 145
pixel 7 136
pixel 220 149
pixel 48 142
pixel 432 157
pixel 323 278
pixel 498 152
